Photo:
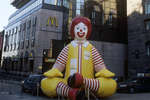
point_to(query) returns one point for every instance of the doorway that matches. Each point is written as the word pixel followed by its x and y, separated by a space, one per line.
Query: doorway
pixel 31 65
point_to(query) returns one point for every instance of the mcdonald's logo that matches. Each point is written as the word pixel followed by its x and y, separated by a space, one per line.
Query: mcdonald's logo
pixel 52 21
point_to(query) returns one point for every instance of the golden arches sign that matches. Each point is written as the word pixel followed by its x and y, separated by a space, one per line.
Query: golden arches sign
pixel 52 21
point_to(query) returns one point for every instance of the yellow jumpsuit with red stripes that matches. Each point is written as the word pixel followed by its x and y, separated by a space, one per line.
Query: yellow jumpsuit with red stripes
pixel 79 60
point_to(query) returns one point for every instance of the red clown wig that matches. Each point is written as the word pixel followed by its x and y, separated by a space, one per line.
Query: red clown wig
pixel 76 21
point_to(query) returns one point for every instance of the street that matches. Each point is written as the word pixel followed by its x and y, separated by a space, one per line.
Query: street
pixel 25 96
pixel 11 90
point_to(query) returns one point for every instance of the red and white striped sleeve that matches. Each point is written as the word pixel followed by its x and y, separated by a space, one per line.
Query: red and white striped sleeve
pixel 63 56
pixel 97 58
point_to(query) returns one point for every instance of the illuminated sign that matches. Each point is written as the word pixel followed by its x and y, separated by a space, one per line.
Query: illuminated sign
pixel 50 60
pixel 52 21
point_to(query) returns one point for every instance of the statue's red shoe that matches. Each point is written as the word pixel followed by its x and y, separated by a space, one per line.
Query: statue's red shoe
pixel 76 94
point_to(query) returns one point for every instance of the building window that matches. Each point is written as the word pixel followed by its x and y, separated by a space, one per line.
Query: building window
pixel 28 30
pixel 8 46
pixel 147 44
pixel 34 21
pixel 23 30
pixel 6 42
pixel 11 42
pixel 19 36
pixel 13 39
pixel 147 7
pixel 27 43
pixel 50 2
pixel 110 17
pixel 24 26
pixel 137 54
pixel 16 29
pixel 14 46
pixel 53 2
pixel 66 3
pixel 18 45
pixel 58 2
pixel 11 33
pixel 147 25
pixel 32 42
pixel 79 7
pixel 110 12
pixel 22 44
pixel 23 34
pixel 93 17
pixel 93 14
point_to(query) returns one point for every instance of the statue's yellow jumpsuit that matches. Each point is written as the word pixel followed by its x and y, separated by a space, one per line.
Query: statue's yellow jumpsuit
pixel 79 60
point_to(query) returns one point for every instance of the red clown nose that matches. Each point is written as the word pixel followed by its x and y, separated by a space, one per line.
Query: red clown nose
pixel 76 21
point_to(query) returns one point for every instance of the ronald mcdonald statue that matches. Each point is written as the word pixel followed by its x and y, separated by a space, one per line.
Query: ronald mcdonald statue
pixel 82 65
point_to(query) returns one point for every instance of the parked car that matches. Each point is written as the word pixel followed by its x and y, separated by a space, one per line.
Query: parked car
pixel 133 85
pixel 32 84
pixel 118 79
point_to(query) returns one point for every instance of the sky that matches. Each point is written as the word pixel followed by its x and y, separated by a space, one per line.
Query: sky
pixel 6 9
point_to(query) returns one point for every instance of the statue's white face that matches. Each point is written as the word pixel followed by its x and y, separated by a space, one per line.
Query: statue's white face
pixel 80 31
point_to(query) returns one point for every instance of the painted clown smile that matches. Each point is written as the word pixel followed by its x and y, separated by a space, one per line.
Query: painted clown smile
pixel 80 34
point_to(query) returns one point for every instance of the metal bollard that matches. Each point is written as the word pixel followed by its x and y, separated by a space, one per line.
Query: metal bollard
pixel 94 96
pixel 87 93
pixel 38 85
pixel 59 98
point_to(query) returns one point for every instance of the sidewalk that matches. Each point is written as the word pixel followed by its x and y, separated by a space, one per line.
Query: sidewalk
pixel 9 87
pixel 22 97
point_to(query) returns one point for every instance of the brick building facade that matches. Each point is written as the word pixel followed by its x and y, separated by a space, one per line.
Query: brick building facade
pixel 138 36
